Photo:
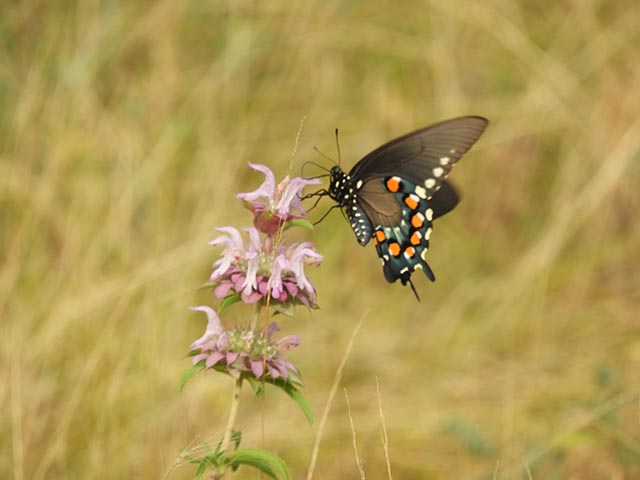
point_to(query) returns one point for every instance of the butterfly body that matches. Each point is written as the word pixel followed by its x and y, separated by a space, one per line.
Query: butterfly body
pixel 394 193
pixel 344 191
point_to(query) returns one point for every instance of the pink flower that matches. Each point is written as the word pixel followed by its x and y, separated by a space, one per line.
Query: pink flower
pixel 258 270
pixel 243 351
pixel 214 327
pixel 274 205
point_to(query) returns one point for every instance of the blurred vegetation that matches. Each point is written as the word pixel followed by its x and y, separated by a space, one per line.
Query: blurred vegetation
pixel 126 128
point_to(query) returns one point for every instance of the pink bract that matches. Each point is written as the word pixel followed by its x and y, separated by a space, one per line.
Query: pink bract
pixel 274 205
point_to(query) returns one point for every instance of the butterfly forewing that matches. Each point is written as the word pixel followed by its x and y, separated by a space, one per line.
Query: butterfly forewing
pixel 425 156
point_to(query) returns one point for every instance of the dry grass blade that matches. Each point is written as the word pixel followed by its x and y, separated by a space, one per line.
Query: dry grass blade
pixel 332 393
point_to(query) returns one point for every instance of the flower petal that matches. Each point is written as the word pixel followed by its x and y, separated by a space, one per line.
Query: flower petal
pixel 252 297
pixel 214 327
pixel 273 371
pixel 257 367
pixel 289 342
pixel 223 289
pixel 214 358
pixel 232 357
pixel 283 370
pixel 272 328
pixel 267 189
pixel 289 203
pixel 233 249
pixel 198 358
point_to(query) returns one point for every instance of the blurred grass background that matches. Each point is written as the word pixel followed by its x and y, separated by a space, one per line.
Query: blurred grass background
pixel 126 128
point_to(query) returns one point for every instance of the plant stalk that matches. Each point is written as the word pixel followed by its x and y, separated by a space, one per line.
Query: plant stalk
pixel 233 413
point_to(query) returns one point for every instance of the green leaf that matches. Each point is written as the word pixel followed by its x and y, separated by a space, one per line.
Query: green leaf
pixel 287 309
pixel 207 448
pixel 207 285
pixel 189 373
pixel 228 301
pixel 211 460
pixel 236 437
pixel 256 385
pixel 287 387
pixel 299 222
pixel 266 462
pixel 201 469
pixel 290 389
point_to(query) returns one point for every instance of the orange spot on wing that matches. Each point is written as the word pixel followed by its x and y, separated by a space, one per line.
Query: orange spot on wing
pixel 394 249
pixel 415 238
pixel 417 221
pixel 411 202
pixel 410 251
pixel 380 236
pixel 393 184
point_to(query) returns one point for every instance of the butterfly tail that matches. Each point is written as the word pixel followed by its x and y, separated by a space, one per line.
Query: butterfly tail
pixel 427 271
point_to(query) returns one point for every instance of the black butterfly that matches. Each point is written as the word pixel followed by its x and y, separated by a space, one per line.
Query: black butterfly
pixel 395 192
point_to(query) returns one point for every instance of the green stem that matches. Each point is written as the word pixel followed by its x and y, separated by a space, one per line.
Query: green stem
pixel 233 413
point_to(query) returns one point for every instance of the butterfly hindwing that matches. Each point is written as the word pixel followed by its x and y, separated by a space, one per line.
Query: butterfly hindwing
pixel 402 247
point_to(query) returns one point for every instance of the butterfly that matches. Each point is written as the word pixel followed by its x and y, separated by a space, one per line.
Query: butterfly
pixel 393 194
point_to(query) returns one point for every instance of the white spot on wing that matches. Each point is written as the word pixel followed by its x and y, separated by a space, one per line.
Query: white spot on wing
pixel 429 183
pixel 438 171
pixel 445 160
pixel 429 214
pixel 427 234
pixel 359 184
pixel 421 192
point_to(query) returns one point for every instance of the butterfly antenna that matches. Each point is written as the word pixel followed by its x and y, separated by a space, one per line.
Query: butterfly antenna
pixel 324 155
pixel 311 162
pixel 338 147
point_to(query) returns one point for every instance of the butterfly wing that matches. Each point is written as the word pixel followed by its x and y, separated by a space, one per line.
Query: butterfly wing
pixel 402 189
pixel 382 207
pixel 444 200
pixel 426 156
